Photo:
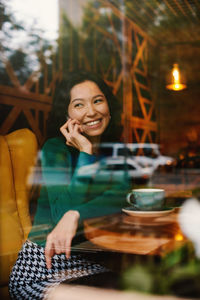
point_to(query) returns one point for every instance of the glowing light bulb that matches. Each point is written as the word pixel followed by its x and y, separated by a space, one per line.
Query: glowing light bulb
pixel 175 83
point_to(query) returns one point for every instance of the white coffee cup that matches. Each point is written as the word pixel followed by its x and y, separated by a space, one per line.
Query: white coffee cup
pixel 146 199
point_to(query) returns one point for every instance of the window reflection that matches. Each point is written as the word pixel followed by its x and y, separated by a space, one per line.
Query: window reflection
pixel 132 46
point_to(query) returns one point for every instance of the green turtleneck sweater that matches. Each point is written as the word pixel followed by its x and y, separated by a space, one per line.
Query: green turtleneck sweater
pixel 72 180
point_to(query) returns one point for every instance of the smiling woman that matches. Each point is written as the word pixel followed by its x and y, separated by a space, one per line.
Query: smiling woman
pixel 71 101
pixel 89 114
pixel 46 258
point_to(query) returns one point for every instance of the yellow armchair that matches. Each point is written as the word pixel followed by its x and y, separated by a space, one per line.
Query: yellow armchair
pixel 18 152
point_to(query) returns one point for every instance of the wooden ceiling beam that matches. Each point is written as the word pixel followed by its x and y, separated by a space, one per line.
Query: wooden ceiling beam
pixel 180 7
pixel 120 14
pixel 139 5
pixel 190 7
pixel 165 11
pixel 170 8
pixel 137 17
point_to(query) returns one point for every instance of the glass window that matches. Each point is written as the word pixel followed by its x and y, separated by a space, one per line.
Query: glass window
pixel 69 143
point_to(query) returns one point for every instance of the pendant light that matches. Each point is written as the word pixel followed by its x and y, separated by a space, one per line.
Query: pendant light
pixel 176 79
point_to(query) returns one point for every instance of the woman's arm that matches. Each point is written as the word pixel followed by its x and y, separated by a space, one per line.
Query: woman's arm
pixel 60 238
pixel 68 199
pixel 67 192
pixel 109 202
pixel 64 189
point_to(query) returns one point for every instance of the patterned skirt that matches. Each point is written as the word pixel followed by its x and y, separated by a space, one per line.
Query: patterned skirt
pixel 30 278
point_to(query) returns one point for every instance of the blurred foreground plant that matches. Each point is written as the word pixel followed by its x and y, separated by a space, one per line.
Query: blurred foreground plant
pixel 176 273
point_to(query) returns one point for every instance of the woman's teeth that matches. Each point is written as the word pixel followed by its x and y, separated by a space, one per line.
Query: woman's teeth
pixel 93 123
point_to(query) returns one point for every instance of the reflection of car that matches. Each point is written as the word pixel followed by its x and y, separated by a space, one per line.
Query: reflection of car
pixel 145 154
pixel 110 168
pixel 115 168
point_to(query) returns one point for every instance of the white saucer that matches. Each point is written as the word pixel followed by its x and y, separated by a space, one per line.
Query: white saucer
pixel 147 214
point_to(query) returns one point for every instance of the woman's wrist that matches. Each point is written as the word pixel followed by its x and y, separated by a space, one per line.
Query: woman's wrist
pixel 73 213
pixel 87 149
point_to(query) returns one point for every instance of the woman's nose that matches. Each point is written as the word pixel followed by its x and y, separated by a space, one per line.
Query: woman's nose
pixel 91 110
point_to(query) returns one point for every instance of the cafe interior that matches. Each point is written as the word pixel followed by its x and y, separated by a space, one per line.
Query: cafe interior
pixel 148 53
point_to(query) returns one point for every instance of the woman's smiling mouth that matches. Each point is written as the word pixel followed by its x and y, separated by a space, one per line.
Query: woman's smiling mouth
pixel 93 123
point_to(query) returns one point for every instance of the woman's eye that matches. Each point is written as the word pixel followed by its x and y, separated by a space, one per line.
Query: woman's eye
pixel 98 100
pixel 77 105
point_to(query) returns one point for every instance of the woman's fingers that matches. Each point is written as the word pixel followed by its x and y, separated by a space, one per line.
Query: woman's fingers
pixel 56 248
pixel 60 239
pixel 77 131
pixel 68 130
pixel 63 129
pixel 49 252
pixel 72 124
pixel 59 247
pixel 68 247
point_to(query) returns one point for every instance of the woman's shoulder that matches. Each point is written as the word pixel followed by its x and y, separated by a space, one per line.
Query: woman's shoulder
pixel 55 151
pixel 57 144
pixel 54 143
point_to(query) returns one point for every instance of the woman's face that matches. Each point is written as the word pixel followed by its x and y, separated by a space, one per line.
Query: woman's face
pixel 89 106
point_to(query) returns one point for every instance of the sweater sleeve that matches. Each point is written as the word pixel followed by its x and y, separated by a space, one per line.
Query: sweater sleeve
pixel 64 189
pixel 109 202
pixel 69 189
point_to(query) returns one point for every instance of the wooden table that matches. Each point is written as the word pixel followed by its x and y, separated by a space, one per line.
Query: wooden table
pixel 125 242
pixel 132 235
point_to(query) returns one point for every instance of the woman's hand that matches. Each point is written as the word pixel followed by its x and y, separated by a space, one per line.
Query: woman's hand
pixel 72 131
pixel 60 238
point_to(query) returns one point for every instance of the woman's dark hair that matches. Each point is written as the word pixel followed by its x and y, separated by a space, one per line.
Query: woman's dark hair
pixel 61 102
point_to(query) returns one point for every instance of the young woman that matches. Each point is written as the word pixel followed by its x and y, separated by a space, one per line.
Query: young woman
pixel 86 112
